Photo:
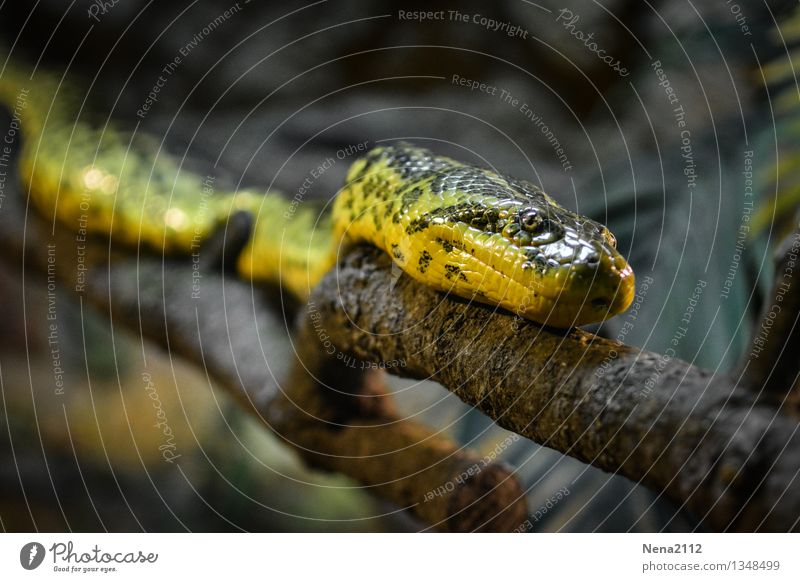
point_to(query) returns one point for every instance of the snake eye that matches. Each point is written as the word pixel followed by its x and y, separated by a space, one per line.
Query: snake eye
pixel 531 220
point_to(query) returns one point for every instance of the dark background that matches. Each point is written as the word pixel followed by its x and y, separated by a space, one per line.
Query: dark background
pixel 276 89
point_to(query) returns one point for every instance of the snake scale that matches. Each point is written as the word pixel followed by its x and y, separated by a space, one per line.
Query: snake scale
pixel 455 227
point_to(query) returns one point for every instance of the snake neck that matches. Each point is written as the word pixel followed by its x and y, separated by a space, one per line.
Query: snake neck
pixel 291 245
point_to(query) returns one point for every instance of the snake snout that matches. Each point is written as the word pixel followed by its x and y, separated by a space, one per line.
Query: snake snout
pixel 612 286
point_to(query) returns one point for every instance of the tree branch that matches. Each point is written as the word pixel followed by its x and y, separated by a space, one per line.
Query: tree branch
pixel 705 441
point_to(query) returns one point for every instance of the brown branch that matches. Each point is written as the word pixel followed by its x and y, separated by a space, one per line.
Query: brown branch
pixel 705 441
pixel 359 435
pixel 401 460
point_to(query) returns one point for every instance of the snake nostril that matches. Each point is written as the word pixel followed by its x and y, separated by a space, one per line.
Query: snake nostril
pixel 593 260
pixel 600 303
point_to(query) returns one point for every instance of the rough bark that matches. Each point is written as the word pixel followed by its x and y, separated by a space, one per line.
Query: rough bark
pixel 707 442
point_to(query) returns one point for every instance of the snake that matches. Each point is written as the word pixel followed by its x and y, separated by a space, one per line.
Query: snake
pixel 458 228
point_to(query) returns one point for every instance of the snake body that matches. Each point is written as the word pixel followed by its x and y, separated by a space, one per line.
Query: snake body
pixel 455 227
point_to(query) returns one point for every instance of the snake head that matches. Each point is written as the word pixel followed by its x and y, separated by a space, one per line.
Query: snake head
pixel 566 267
pixel 536 259
pixel 484 236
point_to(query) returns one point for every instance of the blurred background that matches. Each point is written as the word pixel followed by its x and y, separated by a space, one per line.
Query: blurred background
pixel 264 93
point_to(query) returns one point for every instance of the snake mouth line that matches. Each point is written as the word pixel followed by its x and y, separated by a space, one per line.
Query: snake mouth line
pixel 548 285
pixel 561 309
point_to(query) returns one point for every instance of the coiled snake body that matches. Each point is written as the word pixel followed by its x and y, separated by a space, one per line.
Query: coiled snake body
pixel 453 226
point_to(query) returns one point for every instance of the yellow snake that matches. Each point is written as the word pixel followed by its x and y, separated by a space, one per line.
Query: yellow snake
pixel 453 226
